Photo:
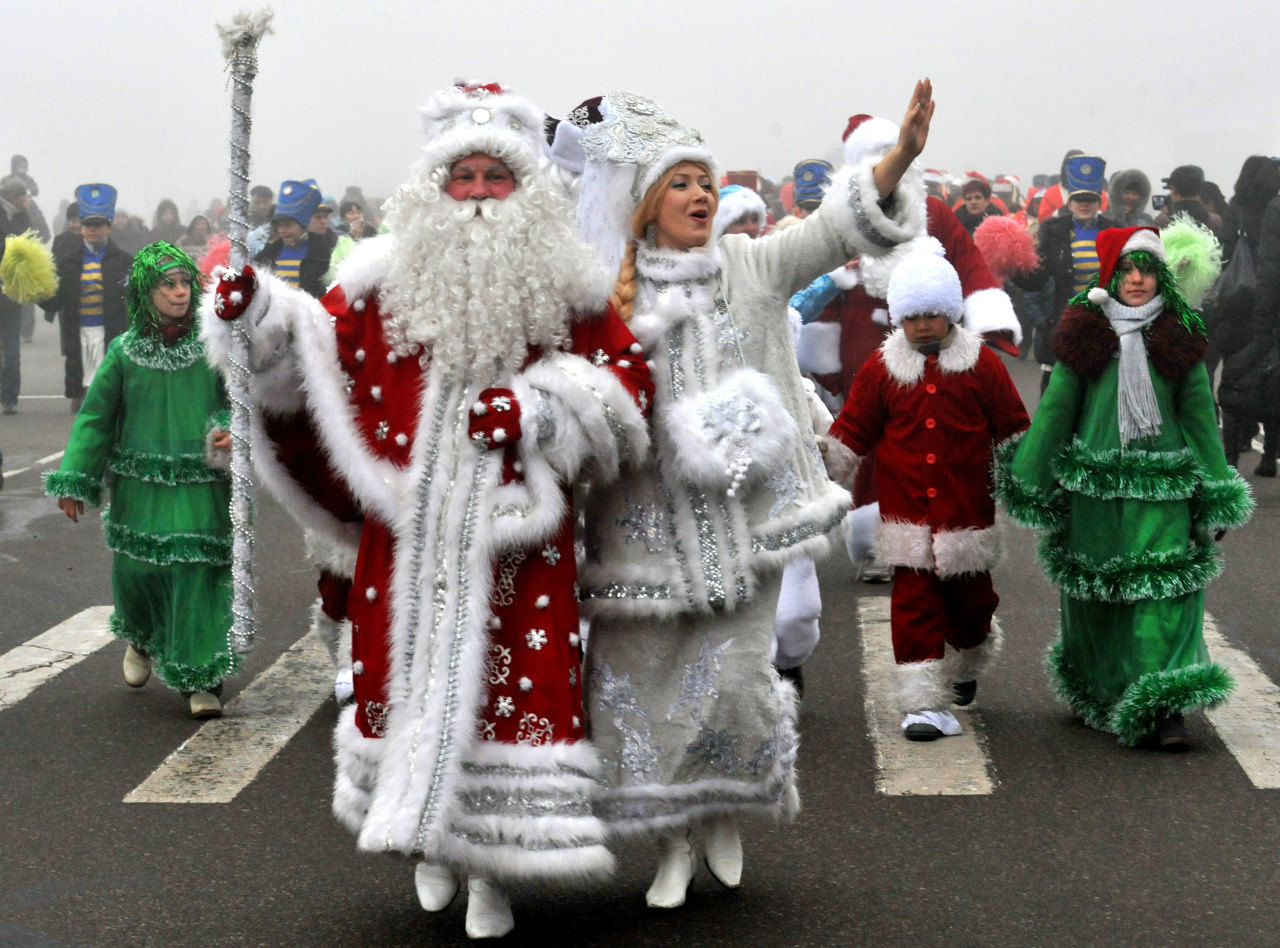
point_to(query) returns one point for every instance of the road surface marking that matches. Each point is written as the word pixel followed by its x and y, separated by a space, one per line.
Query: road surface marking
pixel 21 470
pixel 30 665
pixel 52 457
pixel 1249 722
pixel 226 754
pixel 949 766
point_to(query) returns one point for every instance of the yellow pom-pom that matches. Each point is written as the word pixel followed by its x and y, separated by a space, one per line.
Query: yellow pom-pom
pixel 27 271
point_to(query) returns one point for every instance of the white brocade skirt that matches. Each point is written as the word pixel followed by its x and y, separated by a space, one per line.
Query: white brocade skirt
pixel 690 719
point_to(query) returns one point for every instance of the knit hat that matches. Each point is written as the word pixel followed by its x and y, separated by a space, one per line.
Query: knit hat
pixel 1115 243
pixel 867 135
pixel 298 201
pixel 925 284
pixel 811 176
pixel 96 201
pixel 736 202
pixel 12 187
pixel 470 118
pixel 1085 175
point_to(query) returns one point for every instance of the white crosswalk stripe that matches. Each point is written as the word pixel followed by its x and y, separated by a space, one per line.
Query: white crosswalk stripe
pixel 227 753
pixel 951 766
pixel 1249 723
pixel 30 665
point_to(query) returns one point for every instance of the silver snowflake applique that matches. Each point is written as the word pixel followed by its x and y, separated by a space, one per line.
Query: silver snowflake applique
pixel 717 750
pixel 497 664
pixel 573 676
pixel 501 403
pixel 786 485
pixel 349 384
pixel 534 730
pixel 487 732
pixel 638 754
pixel 698 682
pixel 600 357
pixel 644 522
pixel 644 401
pixel 730 418
pixel 536 639
pixel 551 554
pixel 382 430
pixel 729 338
pixel 375 712
pixel 503 707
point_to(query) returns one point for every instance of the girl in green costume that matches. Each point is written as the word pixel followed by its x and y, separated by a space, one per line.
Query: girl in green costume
pixel 1123 471
pixel 156 414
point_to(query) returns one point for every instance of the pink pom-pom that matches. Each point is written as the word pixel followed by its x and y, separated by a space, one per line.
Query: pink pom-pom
pixel 1007 247
pixel 218 255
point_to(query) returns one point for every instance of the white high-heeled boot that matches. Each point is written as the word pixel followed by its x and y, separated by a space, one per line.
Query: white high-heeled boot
pixel 488 909
pixel 675 871
pixel 724 850
pixel 436 885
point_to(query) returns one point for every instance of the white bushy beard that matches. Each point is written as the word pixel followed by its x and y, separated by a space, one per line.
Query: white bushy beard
pixel 479 288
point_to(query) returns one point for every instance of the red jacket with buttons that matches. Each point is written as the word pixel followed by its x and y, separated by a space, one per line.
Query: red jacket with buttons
pixel 933 422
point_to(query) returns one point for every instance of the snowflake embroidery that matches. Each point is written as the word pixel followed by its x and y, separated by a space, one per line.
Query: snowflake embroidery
pixel 487 732
pixel 504 593
pixel 501 403
pixel 497 664
pixel 786 484
pixel 644 401
pixel 534 730
pixel 643 522
pixel 717 750
pixel 551 554
pixel 536 639
pixel 699 680
pixel 375 712
pixel 638 755
pixel 503 707
pixel 382 430
pixel 600 357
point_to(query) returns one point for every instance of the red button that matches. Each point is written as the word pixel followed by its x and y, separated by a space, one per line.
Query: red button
pixel 930 423
pixel 931 388
pixel 931 357
pixel 930 459
pixel 931 492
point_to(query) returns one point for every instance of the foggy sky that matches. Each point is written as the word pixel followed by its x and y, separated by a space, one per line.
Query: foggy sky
pixel 134 94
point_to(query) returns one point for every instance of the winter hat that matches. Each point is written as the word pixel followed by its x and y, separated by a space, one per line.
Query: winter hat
pixel 298 201
pixel 12 187
pixel 469 118
pixel 924 284
pixel 867 135
pixel 1085 175
pixel 736 202
pixel 811 176
pixel 1115 243
pixel 96 201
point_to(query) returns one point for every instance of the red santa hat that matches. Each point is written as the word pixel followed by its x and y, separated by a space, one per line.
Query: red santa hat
pixel 470 118
pixel 1115 243
pixel 925 284
pixel 867 135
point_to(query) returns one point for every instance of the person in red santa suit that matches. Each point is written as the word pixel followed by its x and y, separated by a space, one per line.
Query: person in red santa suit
pixel 845 316
pixel 933 402
pixel 458 377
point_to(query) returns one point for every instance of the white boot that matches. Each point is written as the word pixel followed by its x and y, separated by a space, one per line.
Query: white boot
pixel 675 871
pixel 488 909
pixel 724 850
pixel 137 667
pixel 436 885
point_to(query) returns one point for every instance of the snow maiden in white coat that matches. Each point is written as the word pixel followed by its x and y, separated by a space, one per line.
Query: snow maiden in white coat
pixel 683 557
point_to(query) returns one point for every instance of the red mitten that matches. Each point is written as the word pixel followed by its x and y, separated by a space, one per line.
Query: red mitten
pixel 234 292
pixel 494 421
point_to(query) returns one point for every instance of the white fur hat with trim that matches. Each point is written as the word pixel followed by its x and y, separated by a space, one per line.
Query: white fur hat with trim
pixel 736 202
pixel 470 118
pixel 868 135
pixel 925 284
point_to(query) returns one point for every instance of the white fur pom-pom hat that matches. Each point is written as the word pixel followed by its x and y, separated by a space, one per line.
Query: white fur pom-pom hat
pixel 925 284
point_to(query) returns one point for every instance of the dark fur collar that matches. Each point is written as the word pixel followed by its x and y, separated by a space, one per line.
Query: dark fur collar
pixel 1085 341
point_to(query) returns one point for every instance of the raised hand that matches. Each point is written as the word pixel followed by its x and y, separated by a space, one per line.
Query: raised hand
pixel 914 132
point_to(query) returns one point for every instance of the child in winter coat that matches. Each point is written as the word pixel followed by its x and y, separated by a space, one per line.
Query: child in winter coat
pixel 934 402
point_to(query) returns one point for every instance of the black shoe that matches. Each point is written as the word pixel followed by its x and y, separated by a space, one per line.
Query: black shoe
pixel 10 408
pixel 75 405
pixel 1171 733
pixel 965 692
pixel 1266 467
pixel 796 677
pixel 921 732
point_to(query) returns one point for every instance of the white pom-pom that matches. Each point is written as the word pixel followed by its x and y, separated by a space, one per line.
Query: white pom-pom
pixel 499 435
pixel 359 355
pixel 402 439
pixel 1098 296
pixel 542 602
pixel 526 684
pixel 574 639
pixel 371 593
pixel 376 393
pixel 635 348
pixel 518 467
pixel 577 723
pixel 357 668
pixel 391 358
pixel 495 624
pixel 358 306
pixel 624 364
pixel 236 297
pixel 479 408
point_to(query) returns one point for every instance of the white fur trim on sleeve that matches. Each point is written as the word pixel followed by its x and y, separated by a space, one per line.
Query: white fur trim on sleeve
pixel 852 204
pixel 819 348
pixel 213 457
pixel 991 310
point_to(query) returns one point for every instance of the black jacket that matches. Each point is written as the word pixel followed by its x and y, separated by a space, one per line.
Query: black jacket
pixel 1056 264
pixel 69 260
pixel 313 266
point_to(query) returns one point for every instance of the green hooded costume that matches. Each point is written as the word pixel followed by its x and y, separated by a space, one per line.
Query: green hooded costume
pixel 1127 523
pixel 147 416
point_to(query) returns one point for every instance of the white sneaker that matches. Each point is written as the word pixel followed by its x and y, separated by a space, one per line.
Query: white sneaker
pixel 137 667
pixel 724 851
pixel 675 871
pixel 436 885
pixel 205 705
pixel 488 909
pixel 930 725
pixel 344 686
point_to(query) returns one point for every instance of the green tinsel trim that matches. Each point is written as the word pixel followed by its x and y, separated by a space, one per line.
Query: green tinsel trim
pixel 142 641
pixel 149 350
pixel 1133 474
pixel 177 675
pixel 1174 301
pixel 219 420
pixel 164 549
pixel 1029 506
pixel 164 469
pixel 1129 577
pixel 1226 503
pixel 1178 691
pixel 73 484
pixel 1071 689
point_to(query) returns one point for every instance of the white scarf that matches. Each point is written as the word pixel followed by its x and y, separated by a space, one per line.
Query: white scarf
pixel 1136 406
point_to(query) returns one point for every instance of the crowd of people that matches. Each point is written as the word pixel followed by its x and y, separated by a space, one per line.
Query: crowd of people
pixel 568 428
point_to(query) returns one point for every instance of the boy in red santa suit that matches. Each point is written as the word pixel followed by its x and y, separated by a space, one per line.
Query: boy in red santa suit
pixel 933 402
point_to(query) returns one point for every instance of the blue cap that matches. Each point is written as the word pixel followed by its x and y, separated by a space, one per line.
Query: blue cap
pixel 730 189
pixel 96 200
pixel 811 177
pixel 298 200
pixel 1086 174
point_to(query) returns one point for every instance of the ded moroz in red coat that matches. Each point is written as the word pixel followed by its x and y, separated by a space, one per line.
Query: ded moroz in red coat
pixel 934 422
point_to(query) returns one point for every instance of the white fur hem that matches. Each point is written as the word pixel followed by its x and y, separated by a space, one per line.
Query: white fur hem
pixel 921 687
pixel 991 310
pixel 949 553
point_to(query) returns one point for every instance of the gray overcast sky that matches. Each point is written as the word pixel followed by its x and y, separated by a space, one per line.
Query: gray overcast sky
pixel 133 93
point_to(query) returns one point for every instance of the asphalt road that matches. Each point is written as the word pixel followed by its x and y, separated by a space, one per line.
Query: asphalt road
pixel 1082 842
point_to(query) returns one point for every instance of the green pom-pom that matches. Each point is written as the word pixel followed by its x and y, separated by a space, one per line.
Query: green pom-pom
pixel 27 270
pixel 1194 255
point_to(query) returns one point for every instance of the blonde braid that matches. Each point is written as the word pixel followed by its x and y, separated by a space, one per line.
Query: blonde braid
pixel 624 291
